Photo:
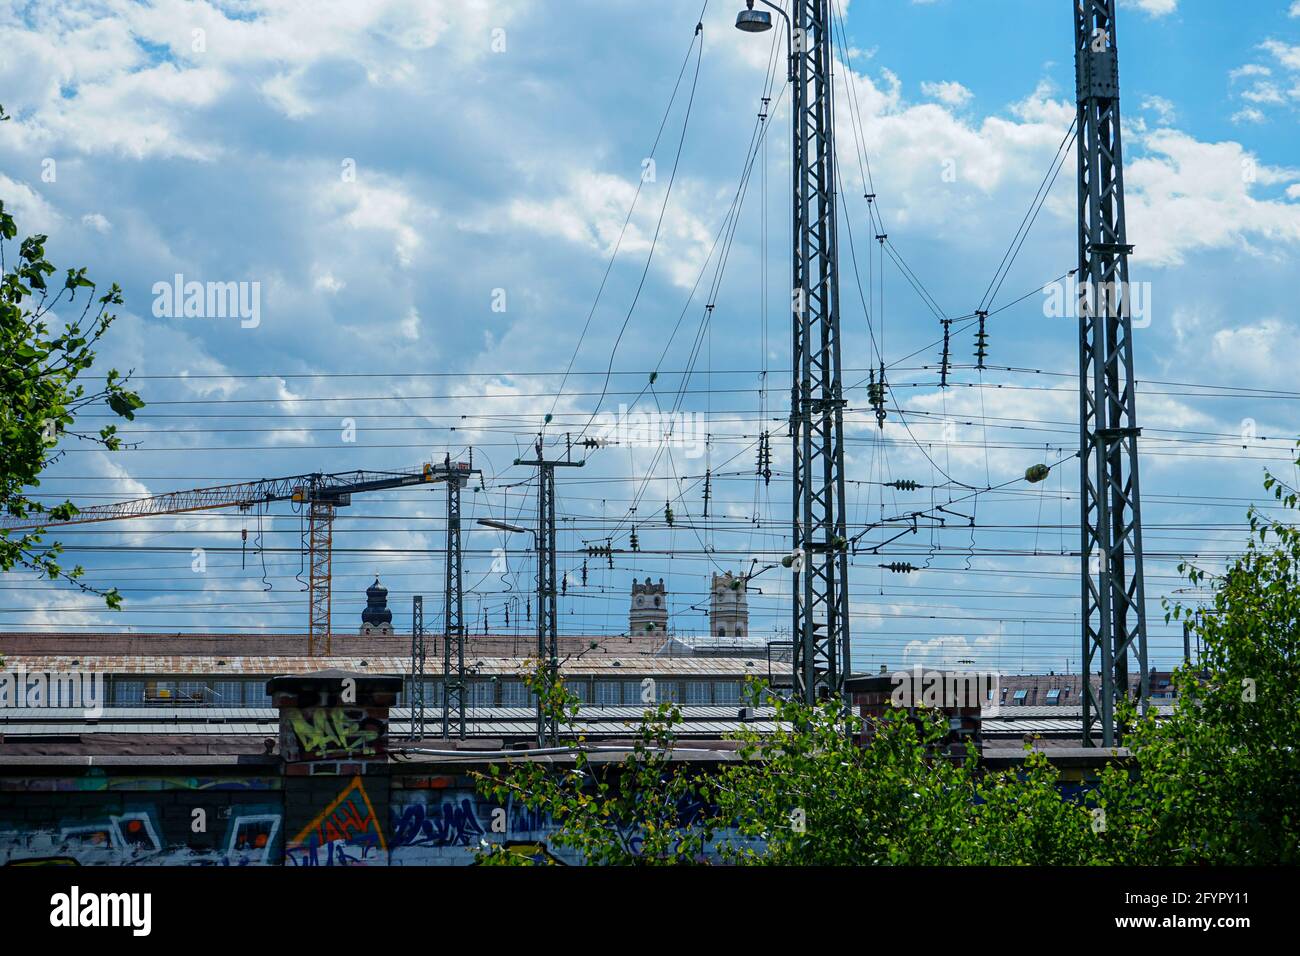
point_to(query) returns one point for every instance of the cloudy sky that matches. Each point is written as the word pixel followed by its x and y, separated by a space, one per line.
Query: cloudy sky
pixel 440 207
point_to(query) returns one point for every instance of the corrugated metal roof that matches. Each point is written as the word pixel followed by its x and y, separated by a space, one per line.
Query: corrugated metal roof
pixel 630 666
pixel 264 721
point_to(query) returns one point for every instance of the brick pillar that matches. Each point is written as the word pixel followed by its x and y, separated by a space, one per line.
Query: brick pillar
pixel 334 748
pixel 874 696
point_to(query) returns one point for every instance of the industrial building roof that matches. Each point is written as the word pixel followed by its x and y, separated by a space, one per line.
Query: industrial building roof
pixel 241 666
pixel 258 644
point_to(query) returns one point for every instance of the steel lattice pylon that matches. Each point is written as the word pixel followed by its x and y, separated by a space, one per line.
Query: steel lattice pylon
pixel 547 611
pixel 453 631
pixel 1114 609
pixel 821 611
pixel 317 541
pixel 417 695
pixel 548 729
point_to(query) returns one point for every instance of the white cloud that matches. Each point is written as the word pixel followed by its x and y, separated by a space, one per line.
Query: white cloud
pixel 1285 53
pixel 1154 8
pixel 327 283
pixel 374 203
pixel 951 93
pixel 1185 194
pixel 1250 69
pixel 94 220
pixel 1162 107
pixel 90 86
pixel 590 208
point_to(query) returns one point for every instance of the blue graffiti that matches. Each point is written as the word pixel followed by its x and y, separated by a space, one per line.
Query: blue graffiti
pixel 451 824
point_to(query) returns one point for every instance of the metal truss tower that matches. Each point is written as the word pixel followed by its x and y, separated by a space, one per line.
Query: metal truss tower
pixel 318 537
pixel 453 630
pixel 821 597
pixel 417 667
pixel 548 730
pixel 1114 608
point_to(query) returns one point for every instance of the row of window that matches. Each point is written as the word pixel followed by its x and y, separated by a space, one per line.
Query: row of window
pixel 480 692
pixel 1054 695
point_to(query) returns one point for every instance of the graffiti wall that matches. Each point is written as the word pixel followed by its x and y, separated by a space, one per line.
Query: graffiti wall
pixel 337 821
pixel 88 821
pixel 325 820
pixel 440 820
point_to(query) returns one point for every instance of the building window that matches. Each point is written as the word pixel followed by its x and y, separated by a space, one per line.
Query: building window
pixel 227 693
pixel 482 693
pixel 514 693
pixel 1020 697
pixel 722 632
pixel 608 693
pixel 255 694
pixel 726 692
pixel 698 692
pixel 1053 696
pixel 128 693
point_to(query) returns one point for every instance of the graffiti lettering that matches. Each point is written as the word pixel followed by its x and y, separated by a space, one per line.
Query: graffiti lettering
pixel 332 732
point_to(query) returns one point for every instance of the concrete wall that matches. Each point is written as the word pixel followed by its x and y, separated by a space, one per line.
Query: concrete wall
pixel 404 819
pixel 328 795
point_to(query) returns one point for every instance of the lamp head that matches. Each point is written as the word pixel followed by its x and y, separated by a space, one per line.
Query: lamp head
pixel 753 21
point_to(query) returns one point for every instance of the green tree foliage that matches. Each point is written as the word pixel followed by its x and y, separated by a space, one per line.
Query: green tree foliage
pixel 812 794
pixel 634 808
pixel 42 359
pixel 1219 781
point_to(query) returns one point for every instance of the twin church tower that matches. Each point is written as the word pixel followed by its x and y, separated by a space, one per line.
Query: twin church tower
pixel 728 607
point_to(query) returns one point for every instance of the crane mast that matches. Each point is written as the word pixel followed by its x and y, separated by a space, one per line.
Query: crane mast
pixel 320 494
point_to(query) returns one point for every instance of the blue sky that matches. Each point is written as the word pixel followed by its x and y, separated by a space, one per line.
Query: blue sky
pixel 428 196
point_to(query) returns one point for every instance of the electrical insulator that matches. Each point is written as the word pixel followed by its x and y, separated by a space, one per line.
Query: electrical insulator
pixel 528 609
pixel 564 584
pixel 708 478
pixel 981 341
pixel 668 514
pixel 765 457
pixel 584 572
pixel 876 390
pixel 943 364
pixel 904 484
pixel 899 567
pixel 634 541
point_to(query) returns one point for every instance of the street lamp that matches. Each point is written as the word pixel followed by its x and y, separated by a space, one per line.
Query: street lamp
pixel 750 20
pixel 542 595
pixel 502 525
pixel 753 21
